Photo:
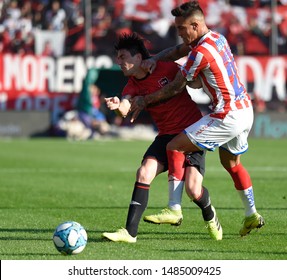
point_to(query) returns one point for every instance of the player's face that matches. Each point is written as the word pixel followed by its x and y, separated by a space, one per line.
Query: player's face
pixel 187 29
pixel 128 63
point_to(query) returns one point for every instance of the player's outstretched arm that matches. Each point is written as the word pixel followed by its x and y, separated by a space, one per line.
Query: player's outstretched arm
pixel 169 54
pixel 172 53
pixel 138 103
pixel 121 107
pixel 171 89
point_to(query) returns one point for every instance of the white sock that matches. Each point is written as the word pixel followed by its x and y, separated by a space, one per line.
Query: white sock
pixel 175 189
pixel 247 198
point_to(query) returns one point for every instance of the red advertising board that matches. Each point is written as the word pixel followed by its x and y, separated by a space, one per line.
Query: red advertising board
pixel 38 83
pixel 46 83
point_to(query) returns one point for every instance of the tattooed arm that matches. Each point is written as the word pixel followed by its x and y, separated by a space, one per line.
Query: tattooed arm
pixel 138 103
pixel 172 53
pixel 169 54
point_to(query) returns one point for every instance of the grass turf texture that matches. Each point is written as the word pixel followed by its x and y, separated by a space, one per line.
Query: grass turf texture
pixel 44 182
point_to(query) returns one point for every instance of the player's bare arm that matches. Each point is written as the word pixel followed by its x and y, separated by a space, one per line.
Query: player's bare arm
pixel 172 53
pixel 169 54
pixel 121 107
pixel 138 103
pixel 196 83
pixel 168 91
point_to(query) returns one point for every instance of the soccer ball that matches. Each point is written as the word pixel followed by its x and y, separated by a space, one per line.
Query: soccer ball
pixel 70 238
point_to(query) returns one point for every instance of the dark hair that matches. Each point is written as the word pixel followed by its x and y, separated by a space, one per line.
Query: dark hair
pixel 132 43
pixel 187 9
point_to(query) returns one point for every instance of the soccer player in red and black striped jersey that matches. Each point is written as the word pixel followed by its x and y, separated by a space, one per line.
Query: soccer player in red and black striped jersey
pixel 209 58
pixel 171 117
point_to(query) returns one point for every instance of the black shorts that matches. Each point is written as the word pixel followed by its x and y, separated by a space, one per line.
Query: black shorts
pixel 196 159
pixel 157 150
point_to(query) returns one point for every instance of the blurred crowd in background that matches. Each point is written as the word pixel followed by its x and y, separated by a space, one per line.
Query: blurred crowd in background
pixel 58 28
pixel 246 24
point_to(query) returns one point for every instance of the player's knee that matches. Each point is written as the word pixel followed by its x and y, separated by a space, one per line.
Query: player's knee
pixel 228 165
pixel 228 160
pixel 193 191
pixel 144 175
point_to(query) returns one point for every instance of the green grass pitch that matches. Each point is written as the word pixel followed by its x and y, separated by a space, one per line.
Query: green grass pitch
pixel 44 182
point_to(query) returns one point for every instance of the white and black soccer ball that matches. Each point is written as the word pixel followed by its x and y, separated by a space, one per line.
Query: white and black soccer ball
pixel 70 238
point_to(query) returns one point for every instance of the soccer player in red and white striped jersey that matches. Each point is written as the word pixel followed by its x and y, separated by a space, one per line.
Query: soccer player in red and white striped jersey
pixel 209 58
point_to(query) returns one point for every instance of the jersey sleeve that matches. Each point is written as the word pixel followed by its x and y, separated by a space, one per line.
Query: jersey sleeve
pixel 194 64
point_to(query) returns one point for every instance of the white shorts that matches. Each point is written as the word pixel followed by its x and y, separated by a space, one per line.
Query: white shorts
pixel 229 133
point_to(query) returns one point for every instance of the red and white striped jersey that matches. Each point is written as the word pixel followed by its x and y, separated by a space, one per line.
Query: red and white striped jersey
pixel 212 61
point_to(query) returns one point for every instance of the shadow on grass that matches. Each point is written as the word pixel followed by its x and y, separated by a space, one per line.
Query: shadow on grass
pixel 191 207
pixel 32 231
pixel 29 254
pixel 247 252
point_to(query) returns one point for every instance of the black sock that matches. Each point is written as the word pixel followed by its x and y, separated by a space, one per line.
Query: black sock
pixel 137 206
pixel 204 204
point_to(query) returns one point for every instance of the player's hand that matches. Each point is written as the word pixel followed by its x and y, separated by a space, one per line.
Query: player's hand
pixel 113 103
pixel 148 65
pixel 137 105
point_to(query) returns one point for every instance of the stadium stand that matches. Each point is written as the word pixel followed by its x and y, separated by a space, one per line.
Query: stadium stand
pixel 246 24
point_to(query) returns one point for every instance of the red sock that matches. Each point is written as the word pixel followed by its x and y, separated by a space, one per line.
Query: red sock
pixel 176 161
pixel 240 177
